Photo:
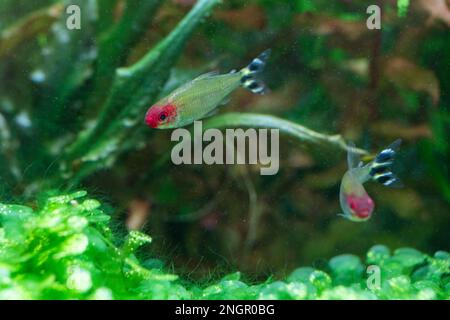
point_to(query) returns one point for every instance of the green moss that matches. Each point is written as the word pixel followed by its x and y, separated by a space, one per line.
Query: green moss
pixel 66 250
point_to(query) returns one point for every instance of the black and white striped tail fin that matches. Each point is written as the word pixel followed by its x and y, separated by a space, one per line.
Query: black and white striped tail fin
pixel 249 74
pixel 381 168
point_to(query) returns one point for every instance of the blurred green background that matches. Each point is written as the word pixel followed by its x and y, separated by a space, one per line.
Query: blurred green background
pixel 328 71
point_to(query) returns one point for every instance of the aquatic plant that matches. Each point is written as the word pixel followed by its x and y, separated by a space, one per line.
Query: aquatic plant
pixel 65 249
pixel 402 7
pixel 109 118
pixel 72 104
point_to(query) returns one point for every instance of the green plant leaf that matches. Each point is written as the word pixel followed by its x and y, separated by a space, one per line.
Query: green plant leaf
pixel 54 252
pixel 115 45
pixel 402 7
pixel 293 129
pixel 105 14
pixel 133 89
pixel 346 269
pixel 28 27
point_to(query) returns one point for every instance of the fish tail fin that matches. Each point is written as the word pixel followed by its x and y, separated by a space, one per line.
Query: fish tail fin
pixel 249 74
pixel 381 167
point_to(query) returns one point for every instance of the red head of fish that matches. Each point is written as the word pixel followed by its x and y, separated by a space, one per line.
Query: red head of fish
pixel 158 115
pixel 360 206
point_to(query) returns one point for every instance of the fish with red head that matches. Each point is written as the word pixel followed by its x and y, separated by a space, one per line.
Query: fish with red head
pixel 355 202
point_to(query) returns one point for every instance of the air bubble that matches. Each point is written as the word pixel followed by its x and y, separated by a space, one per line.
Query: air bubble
pixel 38 76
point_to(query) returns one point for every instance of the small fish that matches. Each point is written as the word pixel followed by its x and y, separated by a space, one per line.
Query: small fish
pixel 355 202
pixel 200 97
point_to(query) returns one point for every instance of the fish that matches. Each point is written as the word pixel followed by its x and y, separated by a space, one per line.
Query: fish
pixel 356 204
pixel 201 96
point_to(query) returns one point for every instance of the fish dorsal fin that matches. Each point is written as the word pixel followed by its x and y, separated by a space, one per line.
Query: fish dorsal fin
pixel 206 75
pixel 173 95
pixel 395 145
pixel 352 157
pixel 189 84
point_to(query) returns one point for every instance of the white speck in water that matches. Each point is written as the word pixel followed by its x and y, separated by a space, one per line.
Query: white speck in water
pixel 128 122
pixel 90 54
pixel 62 34
pixel 47 51
pixel 140 145
pixel 23 120
pixel 6 104
pixel 38 76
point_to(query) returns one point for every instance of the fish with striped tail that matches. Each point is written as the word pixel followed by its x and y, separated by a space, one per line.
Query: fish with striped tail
pixel 356 204
pixel 381 167
pixel 201 96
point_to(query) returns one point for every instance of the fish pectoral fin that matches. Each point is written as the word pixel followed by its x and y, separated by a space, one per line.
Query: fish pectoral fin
pixel 343 215
pixel 347 217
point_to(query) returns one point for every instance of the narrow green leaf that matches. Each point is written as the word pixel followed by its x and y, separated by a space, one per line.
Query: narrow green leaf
pixel 115 45
pixel 293 129
pixel 105 14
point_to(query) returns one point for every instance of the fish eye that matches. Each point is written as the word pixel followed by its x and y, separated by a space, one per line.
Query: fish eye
pixel 162 116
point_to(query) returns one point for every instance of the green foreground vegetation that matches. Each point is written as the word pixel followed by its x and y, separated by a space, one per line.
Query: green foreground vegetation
pixel 72 107
pixel 66 250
